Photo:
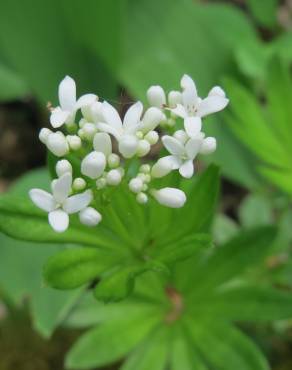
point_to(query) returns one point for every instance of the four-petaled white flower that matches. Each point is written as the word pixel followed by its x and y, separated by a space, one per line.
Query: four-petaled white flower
pixel 193 108
pixel 125 131
pixel 58 204
pixel 181 158
pixel 65 113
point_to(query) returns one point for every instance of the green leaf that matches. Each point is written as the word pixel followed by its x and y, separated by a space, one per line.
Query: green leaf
pixel 12 85
pixel 72 268
pixel 20 219
pixel 264 13
pixel 224 228
pixel 230 348
pixel 111 341
pixel 255 210
pixel 151 354
pixel 245 250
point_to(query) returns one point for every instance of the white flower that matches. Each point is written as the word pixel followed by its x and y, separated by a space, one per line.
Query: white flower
pixel 58 204
pixel 57 144
pixel 156 96
pixel 169 197
pixel 65 113
pixel 126 132
pixel 194 108
pixel 181 157
pixel 63 167
pixel 90 217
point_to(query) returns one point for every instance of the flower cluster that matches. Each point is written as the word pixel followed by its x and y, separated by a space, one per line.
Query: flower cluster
pixel 104 144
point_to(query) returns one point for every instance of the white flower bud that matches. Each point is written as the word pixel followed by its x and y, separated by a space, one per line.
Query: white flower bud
pixel 89 130
pixel 161 168
pixel 101 183
pixel 142 198
pixel 174 98
pixel 152 117
pixel 128 146
pixel 152 137
pixel 44 134
pixel 141 176
pixel 208 146
pixel 113 160
pixel 79 184
pixel 145 187
pixel 90 217
pixel 147 178
pixel 74 142
pixel 139 135
pixel 181 135
pixel 170 197
pixel 57 144
pixel 81 133
pixel 170 122
pixel 62 167
pixel 82 122
pixel 113 177
pixel 145 168
pixel 93 165
pixel 143 148
pixel 156 96
pixel 136 185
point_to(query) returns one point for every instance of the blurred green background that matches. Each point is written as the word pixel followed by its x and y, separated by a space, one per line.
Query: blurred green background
pixel 118 48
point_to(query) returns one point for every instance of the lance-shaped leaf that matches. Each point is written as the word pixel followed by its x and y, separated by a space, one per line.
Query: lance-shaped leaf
pixel 74 267
pixel 20 219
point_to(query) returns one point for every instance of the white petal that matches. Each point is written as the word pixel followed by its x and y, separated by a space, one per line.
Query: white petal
pixel 174 98
pixel 93 165
pixel 193 126
pixel 102 143
pixel 58 117
pixel 67 94
pixel 61 187
pixel 151 119
pixel 85 100
pixel 133 115
pixel 59 220
pixel 42 199
pixel 189 94
pixel 156 96
pixel 77 202
pixel 217 91
pixel 212 104
pixel 173 145
pixel 180 111
pixel 128 145
pixel 187 169
pixel 193 147
pixel 104 127
pixel 165 165
pixel 170 197
pixel 112 116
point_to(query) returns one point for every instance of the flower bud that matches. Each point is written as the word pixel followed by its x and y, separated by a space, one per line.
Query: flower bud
pixel 113 160
pixel 145 168
pixel 181 136
pixel 143 148
pixel 142 198
pixel 174 98
pixel 89 130
pixel 128 146
pixel 44 134
pixel 93 165
pixel 208 146
pixel 152 137
pixel 81 133
pixel 79 184
pixel 101 183
pixel 156 96
pixel 170 197
pixel 113 177
pixel 161 168
pixel 62 167
pixel 152 117
pixel 90 217
pixel 136 185
pixel 74 142
pixel 57 144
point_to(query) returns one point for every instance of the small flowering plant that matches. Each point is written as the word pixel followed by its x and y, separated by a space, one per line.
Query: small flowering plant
pixel 103 146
